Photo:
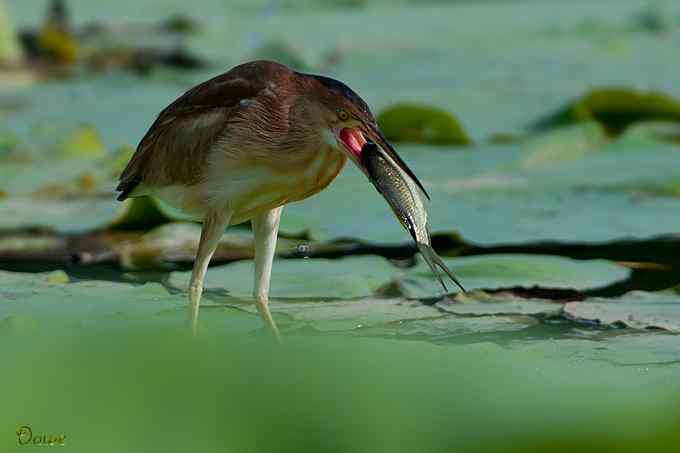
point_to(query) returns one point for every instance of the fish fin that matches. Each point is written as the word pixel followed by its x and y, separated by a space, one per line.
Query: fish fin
pixel 430 258
pixel 433 260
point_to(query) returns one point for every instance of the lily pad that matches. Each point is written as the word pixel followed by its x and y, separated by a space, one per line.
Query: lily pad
pixel 52 302
pixel 635 310
pixel 450 327
pixel 178 242
pixel 480 304
pixel 617 108
pixel 653 131
pixel 417 123
pixel 497 271
pixel 495 198
pixel 563 145
pixel 79 214
pixel 349 315
pixel 584 196
pixel 143 213
pixel 82 142
pixel 60 140
pixel 67 215
pixel 118 342
pixel 10 51
pixel 319 278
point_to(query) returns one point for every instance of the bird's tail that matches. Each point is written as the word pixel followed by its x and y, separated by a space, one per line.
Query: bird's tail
pixel 433 260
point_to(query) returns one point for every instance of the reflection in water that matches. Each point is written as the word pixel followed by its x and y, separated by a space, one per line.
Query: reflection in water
pixel 193 315
pixel 262 308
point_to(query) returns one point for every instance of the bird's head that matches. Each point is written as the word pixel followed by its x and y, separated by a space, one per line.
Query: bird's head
pixel 348 120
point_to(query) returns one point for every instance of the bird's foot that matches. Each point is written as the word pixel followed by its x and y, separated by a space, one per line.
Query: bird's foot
pixel 195 292
pixel 262 304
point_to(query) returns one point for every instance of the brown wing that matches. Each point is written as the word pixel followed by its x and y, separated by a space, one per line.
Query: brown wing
pixel 175 147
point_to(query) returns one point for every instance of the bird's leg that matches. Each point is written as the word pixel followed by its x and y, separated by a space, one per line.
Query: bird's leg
pixel 265 231
pixel 213 227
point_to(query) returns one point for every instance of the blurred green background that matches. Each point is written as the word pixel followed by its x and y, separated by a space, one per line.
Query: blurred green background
pixel 548 135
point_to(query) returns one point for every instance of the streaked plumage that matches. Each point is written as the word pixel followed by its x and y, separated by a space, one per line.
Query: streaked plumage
pixel 243 144
pixel 234 141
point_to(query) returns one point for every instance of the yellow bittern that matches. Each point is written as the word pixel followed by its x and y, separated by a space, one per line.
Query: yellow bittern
pixel 243 144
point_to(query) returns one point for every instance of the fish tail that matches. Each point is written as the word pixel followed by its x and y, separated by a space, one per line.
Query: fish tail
pixel 433 260
pixel 430 258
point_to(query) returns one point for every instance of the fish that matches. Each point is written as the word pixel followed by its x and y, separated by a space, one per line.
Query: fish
pixel 403 196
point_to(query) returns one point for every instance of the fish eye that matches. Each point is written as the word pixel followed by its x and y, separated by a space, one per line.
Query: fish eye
pixel 343 115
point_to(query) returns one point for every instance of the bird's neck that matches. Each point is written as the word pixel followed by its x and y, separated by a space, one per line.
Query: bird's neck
pixel 306 130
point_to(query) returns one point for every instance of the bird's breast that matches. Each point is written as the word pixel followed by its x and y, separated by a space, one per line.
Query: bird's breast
pixel 257 185
pixel 317 172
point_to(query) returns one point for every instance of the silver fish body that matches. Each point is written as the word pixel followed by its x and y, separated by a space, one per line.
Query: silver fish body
pixel 404 198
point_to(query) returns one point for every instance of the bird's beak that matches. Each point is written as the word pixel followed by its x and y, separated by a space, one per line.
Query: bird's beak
pixel 353 139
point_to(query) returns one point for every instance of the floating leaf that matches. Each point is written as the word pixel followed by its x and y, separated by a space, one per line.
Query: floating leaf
pixel 498 271
pixel 564 145
pixel 616 108
pixel 142 213
pixel 57 278
pixel 318 278
pixel 450 327
pixel 178 242
pixel 648 132
pixel 10 51
pixel 349 315
pixel 67 215
pixel 417 123
pixel 83 142
pixel 481 304
pixel 635 310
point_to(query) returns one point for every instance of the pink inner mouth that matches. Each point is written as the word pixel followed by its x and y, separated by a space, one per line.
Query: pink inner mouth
pixel 353 140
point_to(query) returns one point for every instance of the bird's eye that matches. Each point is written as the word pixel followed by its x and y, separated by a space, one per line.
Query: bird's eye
pixel 343 115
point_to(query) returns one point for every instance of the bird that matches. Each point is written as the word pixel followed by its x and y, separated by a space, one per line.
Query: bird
pixel 243 144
